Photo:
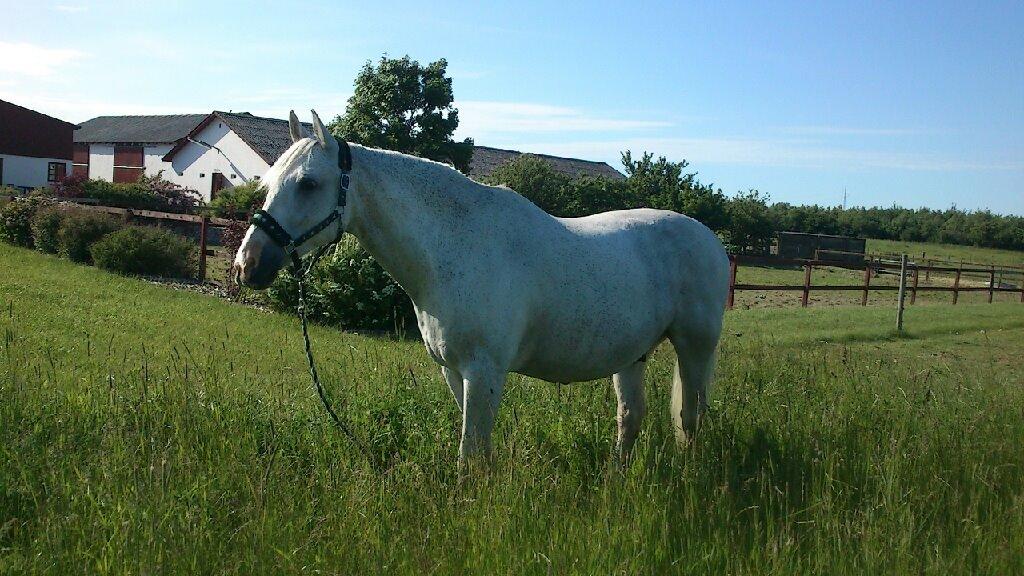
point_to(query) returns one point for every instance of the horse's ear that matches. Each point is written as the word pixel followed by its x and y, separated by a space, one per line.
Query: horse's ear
pixel 321 133
pixel 294 128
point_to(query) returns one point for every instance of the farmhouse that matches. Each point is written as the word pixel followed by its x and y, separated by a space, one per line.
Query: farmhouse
pixel 203 152
pixel 35 149
pixel 208 153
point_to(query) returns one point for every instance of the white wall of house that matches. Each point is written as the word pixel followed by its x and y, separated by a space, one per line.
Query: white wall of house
pixel 28 172
pixel 194 165
pixel 101 161
pixel 153 160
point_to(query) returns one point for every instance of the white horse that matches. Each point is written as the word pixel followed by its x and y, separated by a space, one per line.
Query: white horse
pixel 501 286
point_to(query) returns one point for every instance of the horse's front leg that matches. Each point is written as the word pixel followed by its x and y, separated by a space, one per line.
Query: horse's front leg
pixel 482 387
pixel 454 380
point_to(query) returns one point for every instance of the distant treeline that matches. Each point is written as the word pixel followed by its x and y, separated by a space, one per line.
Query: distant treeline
pixel 746 221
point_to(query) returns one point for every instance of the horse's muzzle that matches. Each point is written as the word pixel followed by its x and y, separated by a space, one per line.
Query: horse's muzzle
pixel 257 268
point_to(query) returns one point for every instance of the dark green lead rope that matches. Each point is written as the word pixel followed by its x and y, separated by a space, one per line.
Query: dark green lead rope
pixel 300 275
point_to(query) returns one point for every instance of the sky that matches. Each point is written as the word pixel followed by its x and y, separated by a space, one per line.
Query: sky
pixel 914 104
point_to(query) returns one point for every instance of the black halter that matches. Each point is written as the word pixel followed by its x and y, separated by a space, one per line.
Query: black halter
pixel 264 221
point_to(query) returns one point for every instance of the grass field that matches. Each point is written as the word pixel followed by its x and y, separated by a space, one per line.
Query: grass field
pixel 146 430
pixel 951 252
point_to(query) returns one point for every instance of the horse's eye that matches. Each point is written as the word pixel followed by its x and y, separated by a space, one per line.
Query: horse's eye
pixel 307 184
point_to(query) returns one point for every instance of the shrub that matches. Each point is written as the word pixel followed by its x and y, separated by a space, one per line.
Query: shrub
pixel 45 228
pixel 239 201
pixel 149 193
pixel 349 289
pixel 80 230
pixel 16 221
pixel 146 251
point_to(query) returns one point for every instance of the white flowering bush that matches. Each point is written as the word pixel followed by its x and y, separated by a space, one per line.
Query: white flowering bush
pixel 349 289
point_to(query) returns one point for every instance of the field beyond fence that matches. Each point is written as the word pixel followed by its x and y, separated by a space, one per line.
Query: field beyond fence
pixel 876 274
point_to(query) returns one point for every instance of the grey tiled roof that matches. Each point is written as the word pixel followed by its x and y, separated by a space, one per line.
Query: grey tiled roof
pixel 487 160
pixel 140 129
pixel 269 137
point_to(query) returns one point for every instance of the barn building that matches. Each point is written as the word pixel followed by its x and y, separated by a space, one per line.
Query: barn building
pixel 821 246
pixel 487 160
pixel 210 152
pixel 35 149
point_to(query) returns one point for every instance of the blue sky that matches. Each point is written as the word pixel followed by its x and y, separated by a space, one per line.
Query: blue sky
pixel 915 104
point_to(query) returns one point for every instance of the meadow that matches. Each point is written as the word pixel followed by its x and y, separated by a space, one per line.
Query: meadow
pixel 144 430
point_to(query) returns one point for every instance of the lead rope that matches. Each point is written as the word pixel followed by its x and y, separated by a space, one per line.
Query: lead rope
pixel 300 274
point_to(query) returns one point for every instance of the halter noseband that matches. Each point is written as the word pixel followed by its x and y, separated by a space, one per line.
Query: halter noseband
pixel 264 221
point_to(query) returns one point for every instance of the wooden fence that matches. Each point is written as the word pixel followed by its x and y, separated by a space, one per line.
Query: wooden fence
pixel 871 268
pixel 129 214
pixel 204 223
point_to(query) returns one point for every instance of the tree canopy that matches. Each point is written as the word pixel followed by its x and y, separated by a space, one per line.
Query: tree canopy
pixel 403 106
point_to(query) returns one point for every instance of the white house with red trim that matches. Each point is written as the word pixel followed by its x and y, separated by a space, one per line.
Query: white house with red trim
pixel 35 149
pixel 210 152
pixel 201 152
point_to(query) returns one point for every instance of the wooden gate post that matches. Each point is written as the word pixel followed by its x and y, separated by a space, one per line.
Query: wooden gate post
pixel 927 270
pixel 732 282
pixel 807 285
pixel 991 283
pixel 203 227
pixel 902 293
pixel 913 290
pixel 956 284
pixel 867 283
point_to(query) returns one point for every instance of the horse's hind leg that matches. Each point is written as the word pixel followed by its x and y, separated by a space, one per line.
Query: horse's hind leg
pixel 695 364
pixel 629 390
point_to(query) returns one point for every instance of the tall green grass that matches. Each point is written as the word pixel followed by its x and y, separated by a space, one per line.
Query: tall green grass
pixel 146 430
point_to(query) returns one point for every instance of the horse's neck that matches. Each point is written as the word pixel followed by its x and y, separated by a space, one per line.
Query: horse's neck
pixel 395 215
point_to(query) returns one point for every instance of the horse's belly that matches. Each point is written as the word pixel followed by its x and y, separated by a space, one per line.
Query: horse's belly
pixel 580 354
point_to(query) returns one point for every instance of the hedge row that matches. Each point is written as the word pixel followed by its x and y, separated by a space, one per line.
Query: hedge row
pixel 89 237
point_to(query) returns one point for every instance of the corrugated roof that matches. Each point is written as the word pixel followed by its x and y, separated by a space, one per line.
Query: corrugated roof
pixel 487 160
pixel 163 129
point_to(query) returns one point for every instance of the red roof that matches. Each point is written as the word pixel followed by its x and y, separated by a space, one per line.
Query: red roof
pixel 29 133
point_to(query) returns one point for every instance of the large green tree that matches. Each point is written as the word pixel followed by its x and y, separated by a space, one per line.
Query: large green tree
pixel 400 105
pixel 667 186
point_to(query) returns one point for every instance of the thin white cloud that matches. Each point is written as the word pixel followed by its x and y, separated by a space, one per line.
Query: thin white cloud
pixel 767 152
pixel 27 59
pixel 853 131
pixel 480 118
pixel 70 8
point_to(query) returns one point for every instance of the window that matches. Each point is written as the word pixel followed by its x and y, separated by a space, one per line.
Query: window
pixel 80 166
pixel 128 163
pixel 56 171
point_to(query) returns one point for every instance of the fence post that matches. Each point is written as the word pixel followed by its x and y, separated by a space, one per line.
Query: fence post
pixel 956 284
pixel 913 290
pixel 807 285
pixel 902 293
pixel 203 227
pixel 732 282
pixel 867 283
pixel 927 270
pixel 991 283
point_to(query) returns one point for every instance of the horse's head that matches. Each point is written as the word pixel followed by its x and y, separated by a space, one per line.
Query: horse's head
pixel 302 194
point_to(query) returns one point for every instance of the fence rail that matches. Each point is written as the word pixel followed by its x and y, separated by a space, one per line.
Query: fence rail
pixel 870 268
